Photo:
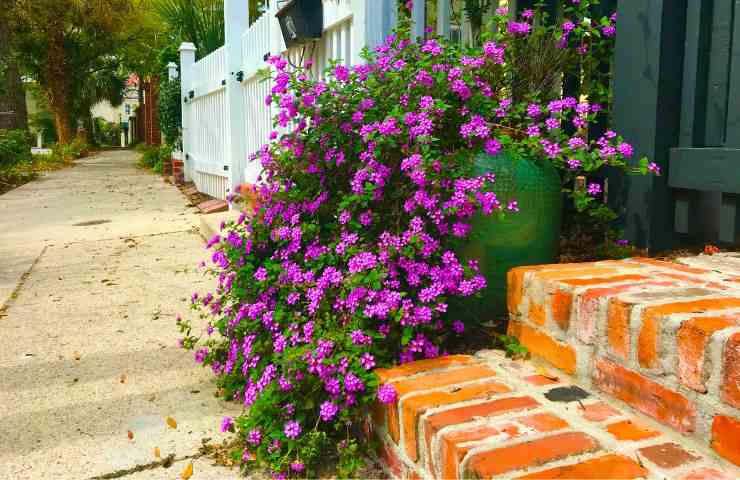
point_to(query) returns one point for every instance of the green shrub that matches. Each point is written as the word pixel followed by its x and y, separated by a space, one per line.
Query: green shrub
pixel 15 147
pixel 170 111
pixel 107 133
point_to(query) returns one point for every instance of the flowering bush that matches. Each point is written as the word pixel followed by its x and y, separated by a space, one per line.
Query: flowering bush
pixel 349 262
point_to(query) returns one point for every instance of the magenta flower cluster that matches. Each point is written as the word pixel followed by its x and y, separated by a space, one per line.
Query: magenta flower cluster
pixel 349 262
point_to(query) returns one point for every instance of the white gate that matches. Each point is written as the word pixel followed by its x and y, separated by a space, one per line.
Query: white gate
pixel 225 118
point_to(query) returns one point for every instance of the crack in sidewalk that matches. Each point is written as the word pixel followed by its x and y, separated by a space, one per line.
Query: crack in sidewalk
pixel 22 281
pixel 167 462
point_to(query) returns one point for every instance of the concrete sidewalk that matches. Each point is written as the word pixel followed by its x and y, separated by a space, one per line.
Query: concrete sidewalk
pixel 96 261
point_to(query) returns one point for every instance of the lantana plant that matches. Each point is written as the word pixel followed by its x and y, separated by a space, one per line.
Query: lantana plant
pixel 349 262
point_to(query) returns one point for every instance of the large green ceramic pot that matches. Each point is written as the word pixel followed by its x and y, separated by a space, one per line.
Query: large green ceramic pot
pixel 528 237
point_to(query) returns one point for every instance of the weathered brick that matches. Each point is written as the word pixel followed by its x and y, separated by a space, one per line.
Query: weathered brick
pixel 608 467
pixel 631 430
pixel 708 474
pixel 562 273
pixel 455 445
pixel 589 316
pixel 540 344
pixel 647 396
pixel 648 346
pixel 543 422
pixel 515 286
pixel 420 366
pixel 692 339
pixel 598 412
pixel 436 422
pixel 453 448
pixel 618 328
pixel 668 455
pixel 540 380
pixel 730 390
pixel 582 282
pixel 726 437
pixel 560 303
pixel 428 381
pixel 537 313
pixel 531 454
pixel 390 459
pixel 670 265
pixel 415 406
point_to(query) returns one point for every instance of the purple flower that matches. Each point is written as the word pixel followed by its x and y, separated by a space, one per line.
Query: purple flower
pixel 254 436
pixel 513 206
pixel 328 411
pixel 292 429
pixel 297 466
pixel 367 361
pixel 387 393
pixel 261 274
pixel 654 167
pixel 594 189
pixel 625 149
pixel 352 383
pixel 458 327
pixel 492 146
pixel 609 30
pixel 574 164
pixel 227 424
pixel 519 29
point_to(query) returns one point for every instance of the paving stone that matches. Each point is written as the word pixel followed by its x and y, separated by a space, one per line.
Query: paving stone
pixel 668 455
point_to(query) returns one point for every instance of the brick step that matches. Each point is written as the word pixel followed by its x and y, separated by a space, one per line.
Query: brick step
pixel 662 337
pixel 486 416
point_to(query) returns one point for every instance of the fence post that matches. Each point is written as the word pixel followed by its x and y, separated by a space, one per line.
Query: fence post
pixel 187 60
pixel 375 22
pixel 648 72
pixel 236 20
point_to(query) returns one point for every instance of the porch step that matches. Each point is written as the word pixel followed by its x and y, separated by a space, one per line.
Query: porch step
pixel 213 206
pixel 486 416
pixel 662 337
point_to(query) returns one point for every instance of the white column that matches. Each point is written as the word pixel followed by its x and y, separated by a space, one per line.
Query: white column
pixel 236 20
pixel 418 19
pixel 172 70
pixel 40 139
pixel 444 17
pixel 374 22
pixel 187 60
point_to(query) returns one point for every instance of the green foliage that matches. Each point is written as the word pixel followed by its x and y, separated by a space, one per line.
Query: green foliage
pixel 153 158
pixel 106 133
pixel 198 21
pixel 149 158
pixel 510 345
pixel 170 111
pixel 77 148
pixel 15 147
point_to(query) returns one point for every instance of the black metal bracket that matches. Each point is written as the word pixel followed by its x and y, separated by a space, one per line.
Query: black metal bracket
pixel 191 93
pixel 266 56
pixel 226 168
pixel 223 82
pixel 240 76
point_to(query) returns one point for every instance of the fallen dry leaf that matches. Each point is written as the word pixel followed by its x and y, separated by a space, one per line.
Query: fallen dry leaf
pixel 171 422
pixel 130 435
pixel 541 370
pixel 76 355
pixel 188 472
pixel 157 454
pixel 123 378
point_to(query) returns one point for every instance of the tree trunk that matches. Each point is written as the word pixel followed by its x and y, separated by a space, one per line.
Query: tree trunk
pixel 56 83
pixel 12 93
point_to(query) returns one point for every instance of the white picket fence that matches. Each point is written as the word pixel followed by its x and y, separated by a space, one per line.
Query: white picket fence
pixel 225 118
